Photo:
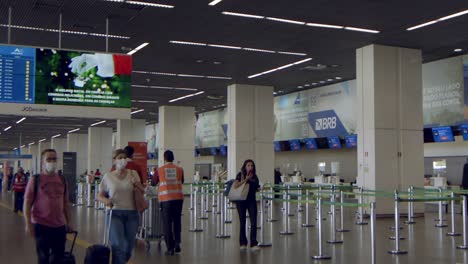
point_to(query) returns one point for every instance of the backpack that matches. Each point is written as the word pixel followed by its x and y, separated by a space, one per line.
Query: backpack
pixel 36 186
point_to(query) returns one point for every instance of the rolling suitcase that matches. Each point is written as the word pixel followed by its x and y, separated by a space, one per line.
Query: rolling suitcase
pixel 100 254
pixel 68 257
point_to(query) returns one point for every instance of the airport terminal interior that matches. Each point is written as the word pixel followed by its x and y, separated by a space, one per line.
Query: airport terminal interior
pixel 351 116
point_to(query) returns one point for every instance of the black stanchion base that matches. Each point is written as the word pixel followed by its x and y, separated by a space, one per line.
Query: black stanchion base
pixel 410 222
pixel 440 225
pixel 203 217
pixel 196 230
pixel 272 220
pixel 286 233
pixel 343 230
pixel 264 245
pixel 321 257
pixel 335 241
pixel 362 223
pixel 223 236
pixel 307 225
pixel 208 211
pixel 290 214
pixel 228 222
pixel 397 252
pixel 462 247
pixel 393 238
pixel 453 234
pixel 393 228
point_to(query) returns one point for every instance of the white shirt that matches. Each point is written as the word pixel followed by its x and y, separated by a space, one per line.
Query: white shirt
pixel 120 191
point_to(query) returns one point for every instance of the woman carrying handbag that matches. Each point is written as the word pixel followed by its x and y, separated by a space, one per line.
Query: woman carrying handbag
pixel 247 178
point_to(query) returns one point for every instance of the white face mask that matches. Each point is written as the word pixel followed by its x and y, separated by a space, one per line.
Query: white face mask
pixel 120 164
pixel 50 167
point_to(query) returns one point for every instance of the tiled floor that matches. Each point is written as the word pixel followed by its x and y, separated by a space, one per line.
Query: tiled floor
pixel 424 242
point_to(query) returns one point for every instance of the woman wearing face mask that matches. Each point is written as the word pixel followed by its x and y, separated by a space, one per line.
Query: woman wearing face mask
pixel 116 191
pixel 248 175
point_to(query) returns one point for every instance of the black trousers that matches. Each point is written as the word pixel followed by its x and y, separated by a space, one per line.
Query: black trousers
pixel 50 244
pixel 242 208
pixel 172 222
pixel 19 199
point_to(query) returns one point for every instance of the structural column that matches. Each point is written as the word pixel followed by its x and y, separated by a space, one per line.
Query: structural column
pixel 177 133
pixel 31 164
pixel 130 130
pixel 250 129
pixel 99 148
pixel 79 143
pixel 60 145
pixel 390 123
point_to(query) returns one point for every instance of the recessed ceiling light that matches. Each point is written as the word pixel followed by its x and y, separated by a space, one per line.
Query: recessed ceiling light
pixel 362 30
pixel 147 101
pixel 42 140
pixel 187 96
pixel 324 25
pixel 32 143
pixel 224 46
pixel 338 78
pixel 74 130
pixel 98 123
pixel 56 136
pixel 286 20
pixel 137 111
pixel 217 62
pixel 457 50
pixel 138 48
pixel 322 81
pixel 200 61
pixel 213 3
pixel 23 146
pixel 307 85
pixel 330 80
pixel 182 75
pixel 65 31
pixel 242 15
pixel 21 120
pixel 279 68
pixel 300 87
pixel 314 83
pixel 140 3
pixel 163 87
pixel 438 20
pixel 6 129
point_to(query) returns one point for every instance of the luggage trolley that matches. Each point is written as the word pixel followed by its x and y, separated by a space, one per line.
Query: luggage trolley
pixel 151 223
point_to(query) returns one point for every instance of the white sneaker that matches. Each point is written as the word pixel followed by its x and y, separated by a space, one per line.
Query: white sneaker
pixel 243 247
pixel 255 248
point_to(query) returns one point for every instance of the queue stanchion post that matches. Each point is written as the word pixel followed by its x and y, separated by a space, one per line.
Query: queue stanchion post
pixel 372 225
pixel 263 243
pixel 227 212
pixel 410 220
pixel 465 238
pixel 219 197
pixel 342 229
pixel 191 197
pixel 79 200
pixel 307 217
pixel 272 197
pixel 90 199
pixel 286 230
pixel 96 193
pixel 195 216
pixel 441 220
pixel 214 201
pixel 208 194
pixel 452 213
pixel 203 215
pixel 288 204
pixel 397 250
pixel 333 239
pixel 319 226
pixel 299 204
pixel 221 223
pixel 361 209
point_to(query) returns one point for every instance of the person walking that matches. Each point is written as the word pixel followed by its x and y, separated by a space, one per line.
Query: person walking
pixel 248 174
pixel 170 179
pixel 19 187
pixel 117 191
pixel 47 210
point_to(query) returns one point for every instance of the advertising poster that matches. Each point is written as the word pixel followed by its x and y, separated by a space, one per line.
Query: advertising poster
pixel 210 129
pixel 140 158
pixel 84 79
pixel 290 116
pixel 443 92
pixel 152 137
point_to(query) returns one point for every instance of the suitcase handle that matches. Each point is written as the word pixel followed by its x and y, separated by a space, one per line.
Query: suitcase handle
pixel 107 228
pixel 75 233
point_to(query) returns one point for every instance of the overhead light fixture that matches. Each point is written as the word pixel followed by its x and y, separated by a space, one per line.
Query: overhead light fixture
pixel 213 3
pixel 186 96
pixel 457 50
pixel 138 48
pixel 42 140
pixel 140 3
pixel 147 101
pixel 56 136
pixel 438 20
pixel 338 78
pixel 23 146
pixel 234 47
pixel 32 143
pixel 242 15
pixel 6 129
pixel 15 148
pixel 163 87
pixel 74 130
pixel 314 83
pixel 279 68
pixel 137 111
pixel 21 120
pixel 300 87
pixel 324 25
pixel 182 75
pixel 322 82
pixel 362 30
pixel 286 20
pixel 71 32
pixel 307 85
pixel 98 123
pixel 330 80
pixel 191 75
pixel 218 77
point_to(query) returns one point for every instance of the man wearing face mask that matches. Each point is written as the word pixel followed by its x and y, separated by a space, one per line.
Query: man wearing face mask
pixel 47 210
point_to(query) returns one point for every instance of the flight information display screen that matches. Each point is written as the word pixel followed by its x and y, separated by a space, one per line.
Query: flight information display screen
pixel 17 66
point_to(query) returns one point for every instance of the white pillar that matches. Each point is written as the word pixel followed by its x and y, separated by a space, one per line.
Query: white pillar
pixel 389 107
pixel 250 129
pixel 99 149
pixel 177 133
pixel 79 143
pixel 32 163
pixel 40 147
pixel 129 130
pixel 60 145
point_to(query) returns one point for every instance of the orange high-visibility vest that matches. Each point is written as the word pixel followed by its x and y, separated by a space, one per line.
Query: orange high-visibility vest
pixel 170 183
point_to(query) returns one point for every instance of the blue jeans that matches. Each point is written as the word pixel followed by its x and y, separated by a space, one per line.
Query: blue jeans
pixel 123 229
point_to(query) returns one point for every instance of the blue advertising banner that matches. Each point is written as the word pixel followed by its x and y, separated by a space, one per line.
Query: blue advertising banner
pixel 442 134
pixel 334 142
pixel 351 141
pixel 326 124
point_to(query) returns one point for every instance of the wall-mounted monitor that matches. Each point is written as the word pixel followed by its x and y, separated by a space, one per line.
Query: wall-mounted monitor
pixel 351 141
pixel 322 143
pixel 442 134
pixel 295 144
pixel 334 142
pixel 223 150
pixel 464 131
pixel 310 143
pixel 281 146
pixel 213 151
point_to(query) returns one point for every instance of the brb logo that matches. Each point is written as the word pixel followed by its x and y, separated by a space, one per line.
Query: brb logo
pixel 326 124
